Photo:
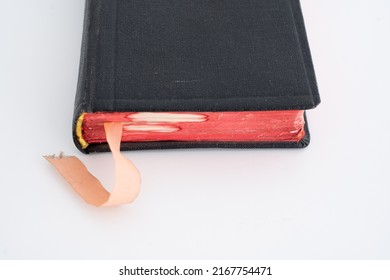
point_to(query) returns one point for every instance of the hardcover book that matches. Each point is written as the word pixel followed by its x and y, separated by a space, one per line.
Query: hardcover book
pixel 194 73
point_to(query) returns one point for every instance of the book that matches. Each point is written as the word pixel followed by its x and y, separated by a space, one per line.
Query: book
pixel 194 73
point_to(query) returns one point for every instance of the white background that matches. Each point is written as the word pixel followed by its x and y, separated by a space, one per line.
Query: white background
pixel 329 201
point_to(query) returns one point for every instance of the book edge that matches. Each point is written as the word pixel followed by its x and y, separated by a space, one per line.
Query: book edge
pixel 87 69
pixel 159 145
pixel 307 59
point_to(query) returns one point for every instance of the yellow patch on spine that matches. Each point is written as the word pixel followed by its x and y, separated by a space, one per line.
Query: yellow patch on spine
pixel 79 132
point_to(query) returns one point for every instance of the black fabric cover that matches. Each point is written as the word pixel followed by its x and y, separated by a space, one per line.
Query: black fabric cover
pixel 194 55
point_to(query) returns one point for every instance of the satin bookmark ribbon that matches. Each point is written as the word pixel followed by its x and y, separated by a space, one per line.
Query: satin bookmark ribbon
pixel 127 177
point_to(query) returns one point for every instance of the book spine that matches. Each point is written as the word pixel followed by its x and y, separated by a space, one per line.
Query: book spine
pixel 87 71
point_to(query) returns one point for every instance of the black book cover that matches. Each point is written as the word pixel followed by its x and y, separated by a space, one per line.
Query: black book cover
pixel 197 56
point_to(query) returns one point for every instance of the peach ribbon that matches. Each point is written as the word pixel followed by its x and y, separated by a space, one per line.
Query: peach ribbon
pixel 127 177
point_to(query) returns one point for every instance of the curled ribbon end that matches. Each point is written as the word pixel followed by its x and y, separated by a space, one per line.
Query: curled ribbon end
pixel 127 177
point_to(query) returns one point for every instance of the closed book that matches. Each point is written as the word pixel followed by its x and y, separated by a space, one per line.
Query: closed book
pixel 194 73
